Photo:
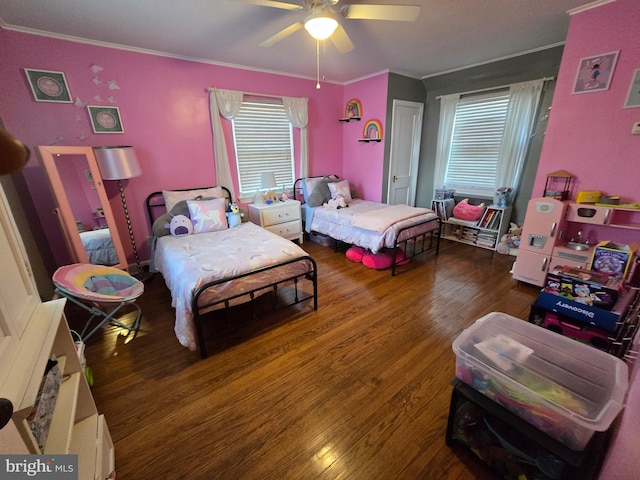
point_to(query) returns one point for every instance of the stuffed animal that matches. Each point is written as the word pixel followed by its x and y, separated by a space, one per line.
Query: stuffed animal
pixel 234 217
pixel 338 202
pixel 465 211
pixel 180 225
pixel 502 196
pixel 510 241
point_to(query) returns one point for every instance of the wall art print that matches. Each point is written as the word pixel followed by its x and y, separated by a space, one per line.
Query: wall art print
pixel 594 73
pixel 48 86
pixel 105 119
pixel 633 97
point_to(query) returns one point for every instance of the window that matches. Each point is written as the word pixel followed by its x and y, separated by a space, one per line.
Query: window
pixel 263 139
pixel 484 138
pixel 475 143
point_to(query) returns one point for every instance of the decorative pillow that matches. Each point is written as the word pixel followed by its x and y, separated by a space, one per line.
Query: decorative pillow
pixel 308 184
pixel 320 193
pixel 465 211
pixel 171 197
pixel 180 226
pixel 208 215
pixel 161 227
pixel 340 188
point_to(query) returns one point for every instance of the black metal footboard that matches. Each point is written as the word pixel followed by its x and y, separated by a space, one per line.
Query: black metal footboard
pixel 415 240
pixel 267 279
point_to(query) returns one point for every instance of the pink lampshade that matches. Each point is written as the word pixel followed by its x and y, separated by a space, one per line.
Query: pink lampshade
pixel 117 163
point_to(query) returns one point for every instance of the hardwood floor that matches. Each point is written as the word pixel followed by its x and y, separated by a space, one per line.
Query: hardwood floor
pixel 358 389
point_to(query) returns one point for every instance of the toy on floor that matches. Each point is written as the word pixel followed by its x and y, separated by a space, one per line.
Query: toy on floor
pixel 377 261
pixel 465 211
pixel 510 241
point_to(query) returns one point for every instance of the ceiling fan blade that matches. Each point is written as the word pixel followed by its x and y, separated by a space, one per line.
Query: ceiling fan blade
pixel 276 4
pixel 282 34
pixel 402 13
pixel 341 40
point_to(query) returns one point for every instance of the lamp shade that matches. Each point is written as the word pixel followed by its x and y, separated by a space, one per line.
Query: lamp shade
pixel 268 180
pixel 320 24
pixel 117 163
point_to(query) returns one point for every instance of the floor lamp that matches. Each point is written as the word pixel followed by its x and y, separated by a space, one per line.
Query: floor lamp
pixel 120 163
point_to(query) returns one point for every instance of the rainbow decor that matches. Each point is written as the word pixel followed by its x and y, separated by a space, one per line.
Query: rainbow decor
pixel 372 130
pixel 353 109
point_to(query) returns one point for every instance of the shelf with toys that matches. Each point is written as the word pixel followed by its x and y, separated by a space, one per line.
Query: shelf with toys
pixel 475 225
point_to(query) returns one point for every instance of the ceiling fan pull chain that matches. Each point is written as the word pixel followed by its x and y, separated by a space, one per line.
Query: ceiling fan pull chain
pixel 318 64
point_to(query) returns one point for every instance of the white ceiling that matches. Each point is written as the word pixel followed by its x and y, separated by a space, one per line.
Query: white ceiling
pixel 447 35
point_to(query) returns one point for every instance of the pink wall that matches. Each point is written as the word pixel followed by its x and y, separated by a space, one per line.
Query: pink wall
pixel 589 134
pixel 164 109
pixel 363 162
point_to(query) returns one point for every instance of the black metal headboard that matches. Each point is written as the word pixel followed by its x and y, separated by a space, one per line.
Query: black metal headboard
pixel 156 206
pixel 297 186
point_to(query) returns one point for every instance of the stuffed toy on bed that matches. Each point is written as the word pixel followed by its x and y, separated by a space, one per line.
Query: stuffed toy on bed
pixel 234 217
pixel 180 225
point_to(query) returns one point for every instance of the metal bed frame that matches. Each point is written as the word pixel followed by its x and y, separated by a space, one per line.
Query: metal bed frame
pixel 155 201
pixel 413 244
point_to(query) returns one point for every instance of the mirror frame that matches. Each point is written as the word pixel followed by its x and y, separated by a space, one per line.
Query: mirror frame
pixel 65 213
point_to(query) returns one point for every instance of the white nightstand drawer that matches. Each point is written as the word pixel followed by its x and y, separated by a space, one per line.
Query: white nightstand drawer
pixel 280 214
pixel 286 229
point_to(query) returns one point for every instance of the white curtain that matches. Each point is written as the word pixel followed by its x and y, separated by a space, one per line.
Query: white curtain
pixel 523 104
pixel 448 105
pixel 226 103
pixel 298 114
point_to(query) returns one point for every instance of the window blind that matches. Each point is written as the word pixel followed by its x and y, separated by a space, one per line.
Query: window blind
pixel 478 130
pixel 263 142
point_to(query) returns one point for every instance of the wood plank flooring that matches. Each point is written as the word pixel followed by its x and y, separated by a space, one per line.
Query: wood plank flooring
pixel 358 389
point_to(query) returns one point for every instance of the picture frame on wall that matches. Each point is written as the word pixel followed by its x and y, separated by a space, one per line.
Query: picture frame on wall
pixel 48 86
pixel 105 119
pixel 633 97
pixel 595 73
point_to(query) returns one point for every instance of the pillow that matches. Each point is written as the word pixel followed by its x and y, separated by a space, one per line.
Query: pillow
pixel 308 184
pixel 160 226
pixel 208 215
pixel 340 188
pixel 321 192
pixel 171 197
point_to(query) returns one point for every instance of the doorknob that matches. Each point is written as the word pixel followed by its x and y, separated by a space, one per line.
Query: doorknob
pixel 395 178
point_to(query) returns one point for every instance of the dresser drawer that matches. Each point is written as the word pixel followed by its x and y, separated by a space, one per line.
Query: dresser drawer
pixel 280 214
pixel 290 229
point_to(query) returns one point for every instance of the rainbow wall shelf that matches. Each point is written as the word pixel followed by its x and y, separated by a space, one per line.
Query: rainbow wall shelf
pixel 352 111
pixel 372 131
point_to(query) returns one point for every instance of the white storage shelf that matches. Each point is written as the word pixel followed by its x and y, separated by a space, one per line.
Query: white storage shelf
pixel 485 233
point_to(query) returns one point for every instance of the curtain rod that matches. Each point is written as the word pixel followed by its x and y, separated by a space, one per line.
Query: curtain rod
pixel 253 94
pixel 545 79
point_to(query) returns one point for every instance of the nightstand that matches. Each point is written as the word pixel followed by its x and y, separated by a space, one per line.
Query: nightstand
pixel 281 218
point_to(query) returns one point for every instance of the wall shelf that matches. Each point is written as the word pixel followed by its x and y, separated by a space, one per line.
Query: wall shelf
pixel 348 119
pixel 367 140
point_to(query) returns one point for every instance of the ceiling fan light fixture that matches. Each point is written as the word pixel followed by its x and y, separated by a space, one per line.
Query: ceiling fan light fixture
pixel 320 25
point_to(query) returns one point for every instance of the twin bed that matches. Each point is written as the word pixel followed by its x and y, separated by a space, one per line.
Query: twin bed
pixel 400 229
pixel 216 267
pixel 225 267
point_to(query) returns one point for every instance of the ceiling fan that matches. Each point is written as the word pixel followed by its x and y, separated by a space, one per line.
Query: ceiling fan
pixel 322 18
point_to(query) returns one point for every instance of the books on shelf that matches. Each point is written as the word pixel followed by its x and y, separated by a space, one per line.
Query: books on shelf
pixel 491 219
pixel 443 208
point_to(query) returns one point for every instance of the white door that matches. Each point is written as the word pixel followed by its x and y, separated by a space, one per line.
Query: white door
pixel 406 131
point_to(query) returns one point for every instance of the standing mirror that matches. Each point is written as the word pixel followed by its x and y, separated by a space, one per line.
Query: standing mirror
pixel 82 206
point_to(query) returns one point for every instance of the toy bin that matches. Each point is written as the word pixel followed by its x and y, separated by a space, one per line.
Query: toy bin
pixel 567 389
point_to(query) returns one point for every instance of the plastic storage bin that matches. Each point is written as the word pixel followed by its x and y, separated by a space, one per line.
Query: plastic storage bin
pixel 567 389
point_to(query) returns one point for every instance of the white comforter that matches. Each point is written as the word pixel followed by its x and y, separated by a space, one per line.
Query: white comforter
pixel 343 224
pixel 189 262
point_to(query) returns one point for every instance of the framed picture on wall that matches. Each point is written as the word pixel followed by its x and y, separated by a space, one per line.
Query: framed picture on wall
pixel 48 86
pixel 105 119
pixel 633 97
pixel 594 73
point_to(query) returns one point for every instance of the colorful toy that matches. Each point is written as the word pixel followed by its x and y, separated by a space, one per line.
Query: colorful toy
pixel 465 211
pixel 502 196
pixel 180 225
pixel 234 217
pixel 510 241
